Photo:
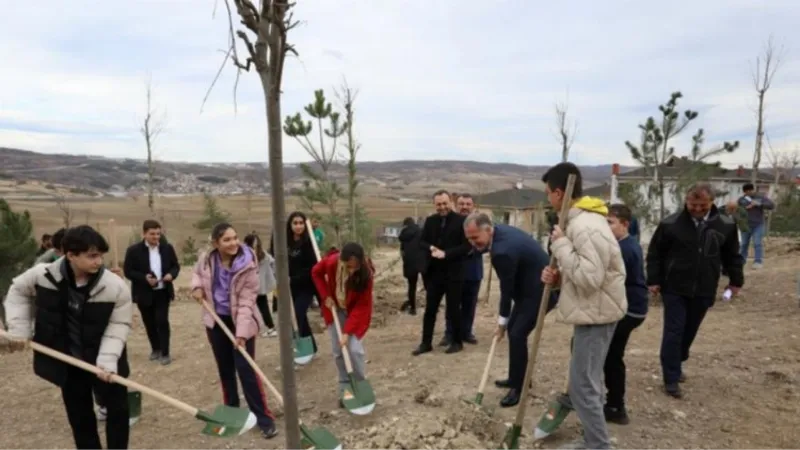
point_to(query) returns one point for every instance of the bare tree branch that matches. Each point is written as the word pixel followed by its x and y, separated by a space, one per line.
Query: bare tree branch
pixel 567 130
pixel 153 125
pixel 763 74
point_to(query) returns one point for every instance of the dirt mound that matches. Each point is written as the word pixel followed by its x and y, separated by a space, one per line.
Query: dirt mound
pixel 463 427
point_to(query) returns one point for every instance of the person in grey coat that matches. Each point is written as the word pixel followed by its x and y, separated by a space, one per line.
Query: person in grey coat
pixel 266 281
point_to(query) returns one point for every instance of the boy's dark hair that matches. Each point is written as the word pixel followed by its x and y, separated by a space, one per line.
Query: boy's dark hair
pixel 748 187
pixel 46 236
pixel 150 224
pixel 408 221
pixel 621 212
pixel 556 178
pixel 359 280
pixel 83 238
pixel 441 192
pixel 58 238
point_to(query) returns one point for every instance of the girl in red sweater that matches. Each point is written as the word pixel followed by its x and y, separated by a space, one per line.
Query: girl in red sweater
pixel 345 279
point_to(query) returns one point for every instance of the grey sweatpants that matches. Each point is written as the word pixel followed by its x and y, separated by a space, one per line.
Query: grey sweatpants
pixel 356 355
pixel 589 352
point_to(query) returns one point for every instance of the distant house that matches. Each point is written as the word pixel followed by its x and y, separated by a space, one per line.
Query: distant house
pixel 390 233
pixel 521 207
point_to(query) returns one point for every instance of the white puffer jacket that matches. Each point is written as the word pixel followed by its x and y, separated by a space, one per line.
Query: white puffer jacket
pixel 591 268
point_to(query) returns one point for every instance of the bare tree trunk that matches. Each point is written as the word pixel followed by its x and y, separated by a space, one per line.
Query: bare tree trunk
pixel 566 129
pixel 762 81
pixel 152 127
pixel 270 82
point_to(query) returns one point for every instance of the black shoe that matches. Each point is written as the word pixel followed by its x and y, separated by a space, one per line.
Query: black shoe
pixel 404 307
pixel 503 384
pixel 511 399
pixel 673 390
pixel 341 404
pixel 445 342
pixel 155 356
pixel 455 347
pixel 165 360
pixel 412 310
pixel 471 339
pixel 682 378
pixel 269 431
pixel 423 348
pixel 616 415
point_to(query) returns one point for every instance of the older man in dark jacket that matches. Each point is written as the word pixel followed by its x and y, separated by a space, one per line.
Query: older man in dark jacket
pixel 684 260
pixel 518 261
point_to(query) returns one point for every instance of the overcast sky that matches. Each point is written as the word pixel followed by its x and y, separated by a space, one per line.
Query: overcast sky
pixel 441 79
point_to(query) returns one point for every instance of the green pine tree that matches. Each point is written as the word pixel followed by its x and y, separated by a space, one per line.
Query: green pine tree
pixel 17 246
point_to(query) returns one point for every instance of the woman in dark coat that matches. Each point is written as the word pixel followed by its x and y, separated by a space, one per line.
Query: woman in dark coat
pixel 413 261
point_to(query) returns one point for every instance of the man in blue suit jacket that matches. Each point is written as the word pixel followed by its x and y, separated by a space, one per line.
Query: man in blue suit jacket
pixel 518 260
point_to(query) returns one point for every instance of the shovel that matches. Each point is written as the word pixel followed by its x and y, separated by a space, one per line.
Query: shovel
pixel 553 416
pixel 225 421
pixel 478 400
pixel 134 397
pixel 312 438
pixel 511 440
pixel 303 346
pixel 358 397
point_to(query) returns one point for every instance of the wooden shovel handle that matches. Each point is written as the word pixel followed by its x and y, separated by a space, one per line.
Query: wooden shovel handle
pixel 346 348
pixel 537 333
pixel 189 409
pixel 243 351
pixel 294 315
pixel 485 376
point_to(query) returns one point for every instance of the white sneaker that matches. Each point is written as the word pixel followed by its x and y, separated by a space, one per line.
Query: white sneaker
pixel 269 333
pixel 102 414
pixel 757 266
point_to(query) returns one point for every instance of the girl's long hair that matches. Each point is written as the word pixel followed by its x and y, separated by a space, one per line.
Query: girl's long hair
pixel 253 241
pixel 358 280
pixel 305 239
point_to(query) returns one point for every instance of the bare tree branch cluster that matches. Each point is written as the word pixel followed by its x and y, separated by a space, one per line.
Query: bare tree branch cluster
pixel 567 129
pixel 153 125
pixel 763 74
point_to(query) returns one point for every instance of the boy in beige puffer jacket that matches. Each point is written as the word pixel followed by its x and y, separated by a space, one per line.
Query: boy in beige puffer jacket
pixel 591 274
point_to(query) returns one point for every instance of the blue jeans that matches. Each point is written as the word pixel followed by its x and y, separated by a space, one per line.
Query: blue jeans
pixel 757 236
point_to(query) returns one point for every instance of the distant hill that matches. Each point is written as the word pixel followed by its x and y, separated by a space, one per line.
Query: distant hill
pixel 118 176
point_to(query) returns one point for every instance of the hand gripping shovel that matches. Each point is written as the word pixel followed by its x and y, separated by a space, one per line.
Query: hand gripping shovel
pixel 134 397
pixel 303 346
pixel 478 400
pixel 312 438
pixel 225 421
pixel 553 416
pixel 358 397
pixel 511 440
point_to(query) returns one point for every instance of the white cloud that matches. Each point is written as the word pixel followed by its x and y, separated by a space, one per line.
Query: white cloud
pixel 438 80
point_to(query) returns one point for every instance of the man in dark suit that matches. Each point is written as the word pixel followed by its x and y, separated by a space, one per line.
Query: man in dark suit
pixel 413 261
pixel 152 266
pixel 518 261
pixel 445 246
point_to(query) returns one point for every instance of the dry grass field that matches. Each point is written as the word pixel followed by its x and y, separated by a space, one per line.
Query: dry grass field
pixel 743 389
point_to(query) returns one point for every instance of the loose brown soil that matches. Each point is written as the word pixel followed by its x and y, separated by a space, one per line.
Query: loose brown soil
pixel 742 392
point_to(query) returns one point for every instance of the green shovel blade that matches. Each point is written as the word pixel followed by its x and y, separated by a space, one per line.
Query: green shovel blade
pixel 511 440
pixel 303 350
pixel 318 438
pixel 134 406
pixel 227 421
pixel 358 397
pixel 552 418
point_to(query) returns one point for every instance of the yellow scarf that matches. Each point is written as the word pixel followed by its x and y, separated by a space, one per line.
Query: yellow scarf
pixel 341 282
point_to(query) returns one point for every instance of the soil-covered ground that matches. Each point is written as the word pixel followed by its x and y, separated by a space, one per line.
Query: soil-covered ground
pixel 742 391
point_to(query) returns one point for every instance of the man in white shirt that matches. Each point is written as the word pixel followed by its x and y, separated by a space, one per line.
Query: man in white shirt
pixel 152 266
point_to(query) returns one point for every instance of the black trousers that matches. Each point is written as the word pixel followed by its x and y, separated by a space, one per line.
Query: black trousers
pixel 469 303
pixel 682 319
pixel 437 286
pixel 79 404
pixel 412 290
pixel 614 367
pixel 263 307
pixel 302 299
pixel 230 363
pixel 156 322
pixel 521 323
